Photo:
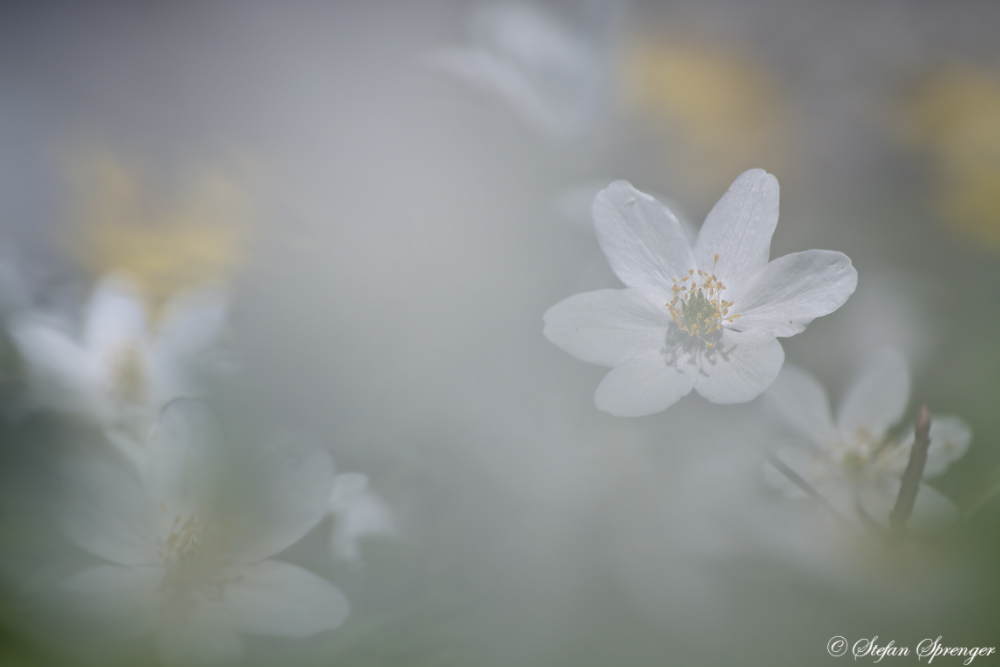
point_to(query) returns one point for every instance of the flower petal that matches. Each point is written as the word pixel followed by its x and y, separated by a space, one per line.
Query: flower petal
pixel 931 511
pixel 877 497
pixel 126 597
pixel 274 598
pixel 950 437
pixel 62 373
pixel 878 399
pixel 606 327
pixel 744 365
pixel 116 319
pixel 793 290
pixel 357 513
pixel 801 402
pixel 107 513
pixel 739 228
pixel 290 496
pixel 644 242
pixel 181 466
pixel 347 488
pixel 644 384
pixel 509 81
pixel 193 324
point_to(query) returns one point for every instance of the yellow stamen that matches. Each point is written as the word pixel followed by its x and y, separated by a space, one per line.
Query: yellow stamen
pixel 701 311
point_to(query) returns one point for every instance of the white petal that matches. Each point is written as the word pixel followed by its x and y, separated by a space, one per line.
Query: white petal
pixel 274 598
pixel 931 511
pixel 607 327
pixel 347 488
pixel 357 514
pixel 878 399
pixel 193 325
pixel 63 375
pixel 878 497
pixel 531 36
pixel 950 438
pixel 116 319
pixel 739 228
pixel 801 402
pixel 744 364
pixel 644 384
pixel 574 204
pixel 181 465
pixel 290 496
pixel 793 290
pixel 107 513
pixel 124 596
pixel 130 445
pixel 644 242
pixel 507 80
pixel 542 69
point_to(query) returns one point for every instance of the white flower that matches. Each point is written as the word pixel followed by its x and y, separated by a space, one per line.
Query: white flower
pixel 119 369
pixel 190 537
pixel 855 463
pixel 704 317
pixel 554 77
pixel 357 513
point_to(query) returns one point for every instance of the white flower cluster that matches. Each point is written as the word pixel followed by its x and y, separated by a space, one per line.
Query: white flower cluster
pixel 192 542
pixel 183 563
pixel 706 316
pixel 856 462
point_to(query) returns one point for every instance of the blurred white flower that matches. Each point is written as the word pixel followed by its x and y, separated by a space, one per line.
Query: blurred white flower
pixel 190 537
pixel 554 77
pixel 854 463
pixel 119 370
pixel 704 317
pixel 357 513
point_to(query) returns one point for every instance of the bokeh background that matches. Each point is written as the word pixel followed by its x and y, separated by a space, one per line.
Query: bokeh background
pixel 392 220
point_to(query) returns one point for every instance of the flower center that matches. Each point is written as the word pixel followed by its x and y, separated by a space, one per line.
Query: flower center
pixel 195 560
pixel 698 307
pixel 865 454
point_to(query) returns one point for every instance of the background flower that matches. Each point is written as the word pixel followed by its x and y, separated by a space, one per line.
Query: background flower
pixel 556 77
pixel 186 563
pixel 119 368
pixel 854 462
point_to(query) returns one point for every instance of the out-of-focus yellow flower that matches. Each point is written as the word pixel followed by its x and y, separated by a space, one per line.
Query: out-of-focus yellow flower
pixel 718 108
pixel 165 246
pixel 954 117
